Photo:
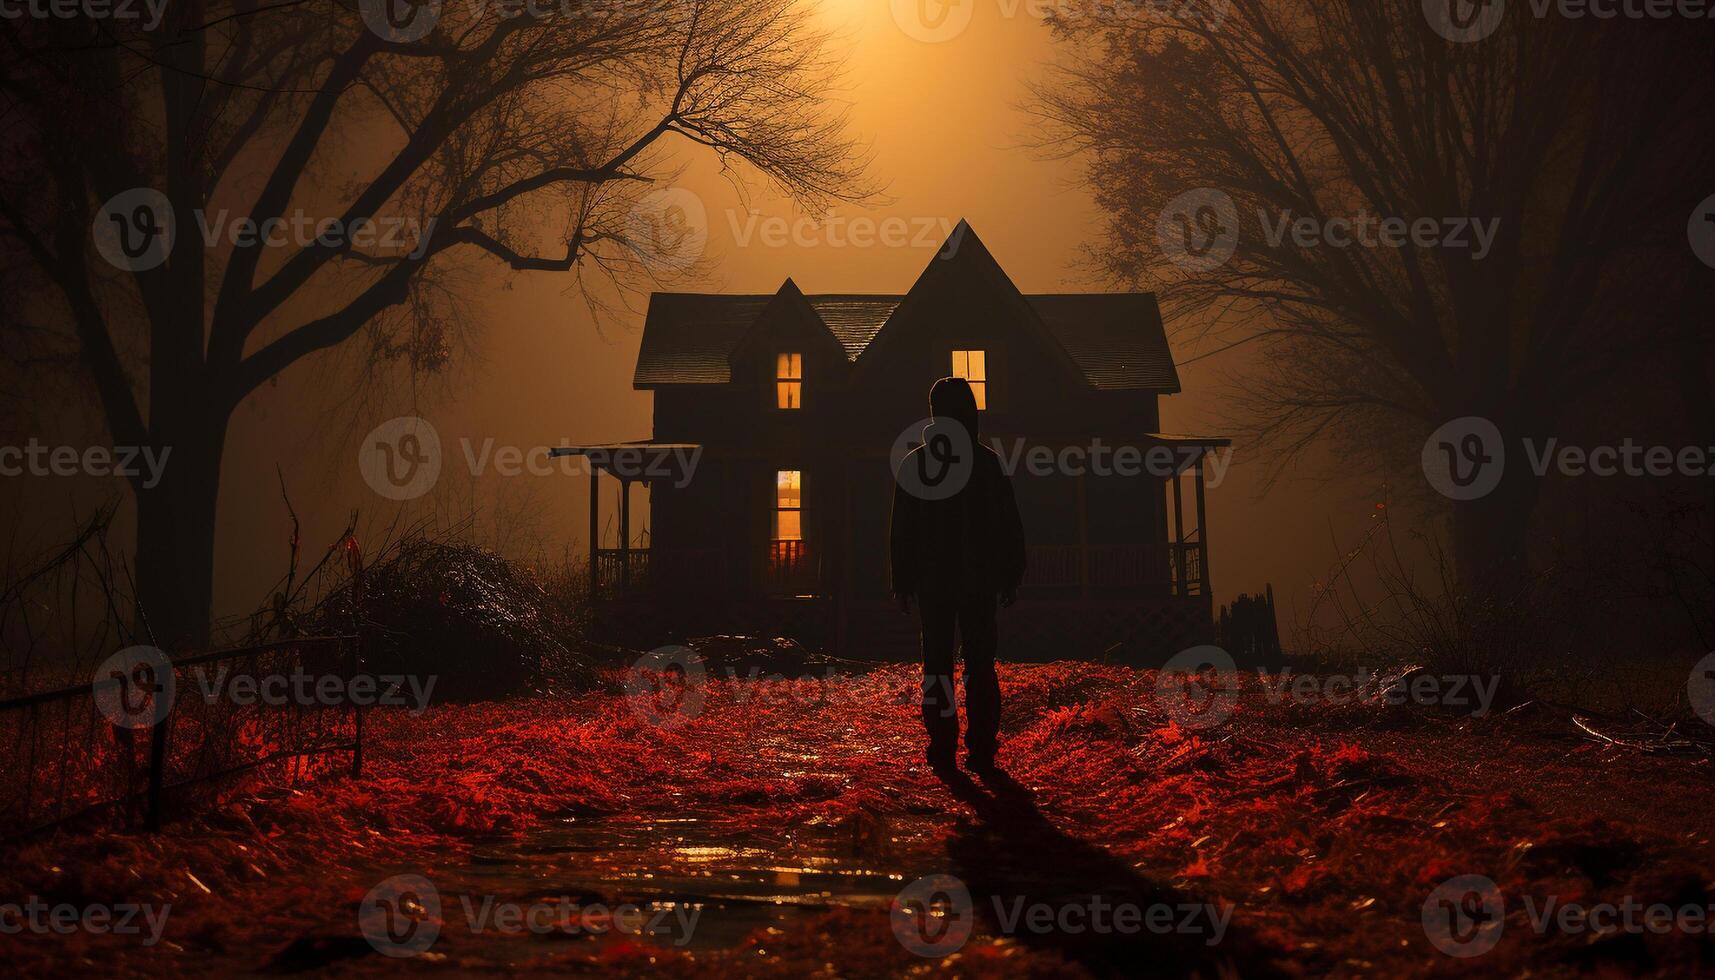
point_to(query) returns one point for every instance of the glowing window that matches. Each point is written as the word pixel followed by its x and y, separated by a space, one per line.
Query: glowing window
pixel 789 381
pixel 788 505
pixel 972 365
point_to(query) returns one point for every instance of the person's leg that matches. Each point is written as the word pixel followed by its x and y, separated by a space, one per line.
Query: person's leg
pixel 980 636
pixel 940 709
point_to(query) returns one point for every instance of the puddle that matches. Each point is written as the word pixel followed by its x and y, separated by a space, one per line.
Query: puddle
pixel 701 882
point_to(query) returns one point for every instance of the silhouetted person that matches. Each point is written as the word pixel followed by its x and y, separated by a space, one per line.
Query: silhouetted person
pixel 958 546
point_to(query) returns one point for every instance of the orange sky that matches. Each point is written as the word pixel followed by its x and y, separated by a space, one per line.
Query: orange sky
pixel 949 138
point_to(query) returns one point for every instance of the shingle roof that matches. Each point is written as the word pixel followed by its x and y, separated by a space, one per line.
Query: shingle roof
pixel 687 337
pixel 1115 339
pixel 854 320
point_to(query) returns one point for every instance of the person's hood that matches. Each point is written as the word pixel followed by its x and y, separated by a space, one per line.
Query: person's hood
pixel 952 399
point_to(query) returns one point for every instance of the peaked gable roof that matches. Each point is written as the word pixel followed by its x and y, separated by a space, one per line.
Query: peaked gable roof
pixel 961 262
pixel 1115 341
pixel 791 306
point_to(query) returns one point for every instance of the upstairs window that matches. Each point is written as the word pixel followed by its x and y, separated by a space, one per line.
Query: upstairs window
pixel 788 505
pixel 789 381
pixel 972 365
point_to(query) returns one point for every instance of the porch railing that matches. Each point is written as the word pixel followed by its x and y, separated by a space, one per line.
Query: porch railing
pixel 788 568
pixel 634 569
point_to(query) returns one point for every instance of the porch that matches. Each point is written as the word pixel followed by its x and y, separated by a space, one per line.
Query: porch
pixel 818 561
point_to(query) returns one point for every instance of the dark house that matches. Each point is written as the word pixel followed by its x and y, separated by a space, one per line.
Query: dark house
pixel 770 482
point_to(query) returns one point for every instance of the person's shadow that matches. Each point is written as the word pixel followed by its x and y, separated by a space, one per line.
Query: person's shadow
pixel 1014 860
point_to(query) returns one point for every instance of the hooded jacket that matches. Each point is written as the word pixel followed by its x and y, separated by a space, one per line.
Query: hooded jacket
pixel 963 534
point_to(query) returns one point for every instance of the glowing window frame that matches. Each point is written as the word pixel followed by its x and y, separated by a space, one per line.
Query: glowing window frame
pixel 789 499
pixel 789 381
pixel 975 372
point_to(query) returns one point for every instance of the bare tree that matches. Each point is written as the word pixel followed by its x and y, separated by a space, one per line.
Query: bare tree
pixel 520 133
pixel 1579 143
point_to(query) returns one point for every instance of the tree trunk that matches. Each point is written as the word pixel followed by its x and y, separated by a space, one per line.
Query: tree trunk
pixel 1491 533
pixel 175 539
pixel 1696 363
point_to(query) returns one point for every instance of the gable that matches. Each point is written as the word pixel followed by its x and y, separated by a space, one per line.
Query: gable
pixel 788 322
pixel 963 297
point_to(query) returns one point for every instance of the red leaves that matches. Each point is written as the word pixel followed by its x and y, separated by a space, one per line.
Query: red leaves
pixel 1327 845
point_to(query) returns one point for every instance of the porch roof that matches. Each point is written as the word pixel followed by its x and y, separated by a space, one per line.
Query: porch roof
pixel 643 459
pixel 1173 439
pixel 1141 440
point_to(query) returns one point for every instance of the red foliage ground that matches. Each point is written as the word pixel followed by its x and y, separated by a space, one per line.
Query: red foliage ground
pixel 1327 828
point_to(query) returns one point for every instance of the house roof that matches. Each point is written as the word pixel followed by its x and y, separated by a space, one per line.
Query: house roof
pixel 1116 340
pixel 854 320
pixel 687 337
pixel 641 459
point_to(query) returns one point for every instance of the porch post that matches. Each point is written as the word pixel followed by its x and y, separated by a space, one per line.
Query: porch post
pixel 1179 576
pixel 1083 540
pixel 1203 528
pixel 624 534
pixel 595 529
